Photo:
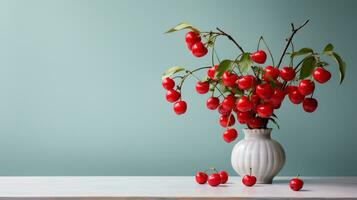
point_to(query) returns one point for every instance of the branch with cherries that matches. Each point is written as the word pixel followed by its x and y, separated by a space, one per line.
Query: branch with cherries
pixel 245 88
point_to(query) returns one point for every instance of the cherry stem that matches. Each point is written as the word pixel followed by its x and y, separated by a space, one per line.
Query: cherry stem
pixel 230 38
pixel 266 45
pixel 293 30
pixel 229 119
pixel 214 169
pixel 250 171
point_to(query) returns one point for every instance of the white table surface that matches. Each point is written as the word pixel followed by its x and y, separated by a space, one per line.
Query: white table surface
pixel 164 187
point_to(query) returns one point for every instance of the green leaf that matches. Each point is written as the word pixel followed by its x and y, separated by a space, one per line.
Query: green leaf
pixel 341 65
pixel 328 47
pixel 172 70
pixel 182 26
pixel 274 121
pixel 308 67
pixel 245 62
pixel 222 67
pixel 301 52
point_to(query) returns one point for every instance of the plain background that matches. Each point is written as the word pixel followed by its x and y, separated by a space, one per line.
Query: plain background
pixel 80 86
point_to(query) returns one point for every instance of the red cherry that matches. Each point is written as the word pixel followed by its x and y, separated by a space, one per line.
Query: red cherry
pixel 172 95
pixel 244 105
pixel 259 56
pixel 290 88
pixel 249 180
pixel 287 73
pixel 230 135
pixel 270 73
pixel 306 87
pixel 168 83
pixel 229 79
pixel 244 117
pixel 265 110
pixel 202 87
pixel 180 107
pixel 223 121
pixel 214 179
pixel 296 97
pixel 223 111
pixel 255 122
pixel 211 72
pixel 296 184
pixel 255 99
pixel 321 75
pixel 264 91
pixel 201 177
pixel 277 98
pixel 229 102
pixel 224 177
pixel 192 37
pixel 246 82
pixel 199 50
pixel 309 104
pixel 212 103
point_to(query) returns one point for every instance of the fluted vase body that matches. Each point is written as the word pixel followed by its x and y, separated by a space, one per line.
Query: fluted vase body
pixel 260 153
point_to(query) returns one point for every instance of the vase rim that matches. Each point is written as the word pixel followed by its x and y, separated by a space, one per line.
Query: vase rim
pixel 258 131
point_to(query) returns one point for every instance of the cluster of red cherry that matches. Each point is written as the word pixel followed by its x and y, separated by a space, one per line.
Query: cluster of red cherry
pixel 214 179
pixel 249 180
pixel 260 94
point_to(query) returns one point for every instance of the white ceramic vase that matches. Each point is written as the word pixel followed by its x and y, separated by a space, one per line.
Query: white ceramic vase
pixel 259 152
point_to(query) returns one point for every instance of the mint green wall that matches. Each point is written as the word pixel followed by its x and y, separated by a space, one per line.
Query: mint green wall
pixel 80 90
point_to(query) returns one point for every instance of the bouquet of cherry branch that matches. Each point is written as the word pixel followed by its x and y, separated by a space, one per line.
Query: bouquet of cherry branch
pixel 243 87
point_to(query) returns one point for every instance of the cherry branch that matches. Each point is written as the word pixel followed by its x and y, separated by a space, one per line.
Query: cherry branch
pixel 230 38
pixel 293 30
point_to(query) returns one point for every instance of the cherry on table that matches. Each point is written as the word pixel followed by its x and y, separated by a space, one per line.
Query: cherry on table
pixel 249 180
pixel 224 177
pixel 201 177
pixel 296 184
pixel 214 179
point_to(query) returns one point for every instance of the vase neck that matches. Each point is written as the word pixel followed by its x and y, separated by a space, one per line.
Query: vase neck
pixel 257 133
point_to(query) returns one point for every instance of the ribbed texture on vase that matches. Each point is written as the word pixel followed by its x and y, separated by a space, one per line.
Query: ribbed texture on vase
pixel 259 152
